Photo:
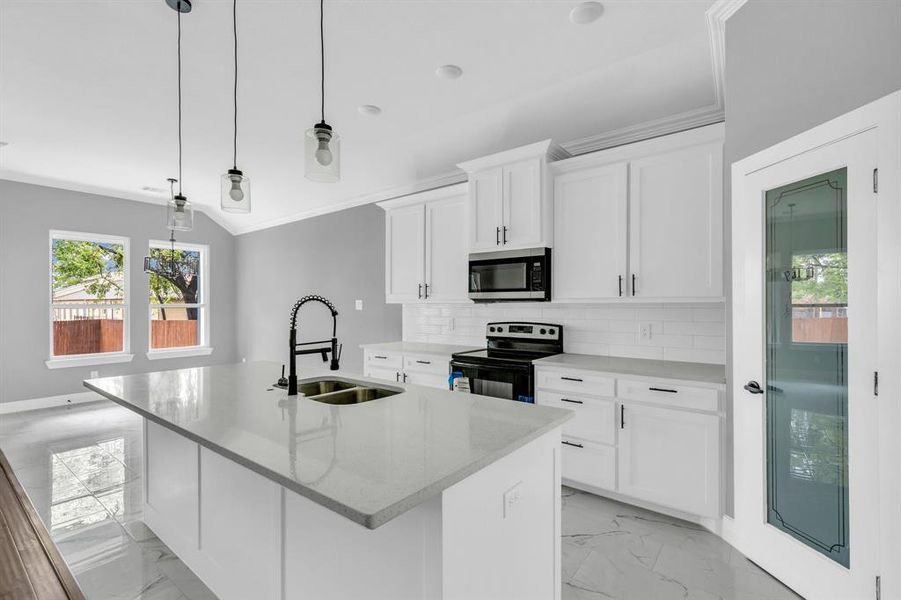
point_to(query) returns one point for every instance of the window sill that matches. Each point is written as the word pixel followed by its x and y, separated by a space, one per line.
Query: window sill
pixel 179 352
pixel 87 360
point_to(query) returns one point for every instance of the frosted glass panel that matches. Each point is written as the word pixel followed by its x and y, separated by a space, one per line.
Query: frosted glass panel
pixel 807 362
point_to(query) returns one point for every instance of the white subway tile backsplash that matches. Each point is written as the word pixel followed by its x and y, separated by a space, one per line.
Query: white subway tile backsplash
pixel 685 332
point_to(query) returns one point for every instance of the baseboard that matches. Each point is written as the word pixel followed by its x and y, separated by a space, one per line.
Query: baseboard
pixel 49 402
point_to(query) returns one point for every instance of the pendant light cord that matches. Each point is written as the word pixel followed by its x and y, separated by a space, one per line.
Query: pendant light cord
pixel 178 12
pixel 322 53
pixel 235 29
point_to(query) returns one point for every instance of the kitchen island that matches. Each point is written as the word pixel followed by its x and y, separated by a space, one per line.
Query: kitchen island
pixel 421 494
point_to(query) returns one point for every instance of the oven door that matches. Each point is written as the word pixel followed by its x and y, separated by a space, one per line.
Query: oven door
pixel 510 275
pixel 510 382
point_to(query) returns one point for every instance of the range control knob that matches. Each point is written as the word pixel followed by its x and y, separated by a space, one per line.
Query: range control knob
pixel 500 329
pixel 491 329
pixel 552 331
pixel 542 331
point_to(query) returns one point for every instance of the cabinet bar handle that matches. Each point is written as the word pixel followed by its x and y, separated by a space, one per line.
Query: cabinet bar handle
pixel 405 378
pixel 397 376
pixel 505 234
pixel 380 357
pixel 622 416
pixel 426 291
pixel 420 291
pixel 497 236
pixel 424 362
pixel 571 401
pixel 573 444
pixel 571 379
pixel 633 284
pixel 620 286
pixel 657 389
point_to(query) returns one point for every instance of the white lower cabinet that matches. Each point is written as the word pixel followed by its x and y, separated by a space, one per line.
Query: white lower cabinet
pixel 670 457
pixel 650 439
pixel 419 369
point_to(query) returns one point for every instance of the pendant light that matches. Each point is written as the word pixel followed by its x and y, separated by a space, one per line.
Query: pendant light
pixel 322 146
pixel 180 215
pixel 235 188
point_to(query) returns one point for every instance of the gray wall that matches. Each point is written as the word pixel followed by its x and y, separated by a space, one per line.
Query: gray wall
pixel 791 65
pixel 27 214
pixel 340 256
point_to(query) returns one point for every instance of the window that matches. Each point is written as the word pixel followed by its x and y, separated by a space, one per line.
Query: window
pixel 819 289
pixel 178 299
pixel 88 299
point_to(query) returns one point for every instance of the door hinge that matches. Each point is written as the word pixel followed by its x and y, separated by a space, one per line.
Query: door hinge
pixel 878 587
pixel 875 383
pixel 875 181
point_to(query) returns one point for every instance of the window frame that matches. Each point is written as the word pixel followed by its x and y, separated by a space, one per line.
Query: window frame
pixel 95 358
pixel 203 348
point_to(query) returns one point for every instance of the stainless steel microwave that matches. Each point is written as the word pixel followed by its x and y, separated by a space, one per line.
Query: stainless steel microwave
pixel 510 275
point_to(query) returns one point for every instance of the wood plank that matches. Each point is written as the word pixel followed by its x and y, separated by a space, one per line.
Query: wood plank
pixel 47 575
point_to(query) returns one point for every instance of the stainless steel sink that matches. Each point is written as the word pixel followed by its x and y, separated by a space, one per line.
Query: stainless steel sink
pixel 332 390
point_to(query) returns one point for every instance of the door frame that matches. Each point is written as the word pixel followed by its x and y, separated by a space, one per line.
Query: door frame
pixel 884 116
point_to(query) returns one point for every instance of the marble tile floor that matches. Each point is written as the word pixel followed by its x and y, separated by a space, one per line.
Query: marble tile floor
pixel 81 467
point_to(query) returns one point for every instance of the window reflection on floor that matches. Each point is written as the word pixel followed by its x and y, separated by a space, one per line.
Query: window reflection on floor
pixel 816 447
pixel 82 475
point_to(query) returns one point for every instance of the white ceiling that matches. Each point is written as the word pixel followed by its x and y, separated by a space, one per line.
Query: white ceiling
pixel 88 90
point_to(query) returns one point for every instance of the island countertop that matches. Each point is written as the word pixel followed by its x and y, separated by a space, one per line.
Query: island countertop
pixel 369 462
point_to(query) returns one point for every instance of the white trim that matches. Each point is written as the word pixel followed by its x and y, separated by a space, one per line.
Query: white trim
pixel 543 149
pixel 86 360
pixel 49 402
pixel 56 362
pixel 448 191
pixel 179 352
pixel 717 15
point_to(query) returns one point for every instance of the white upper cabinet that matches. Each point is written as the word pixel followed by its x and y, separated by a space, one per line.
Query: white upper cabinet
pixel 425 247
pixel 445 249
pixel 676 223
pixel 509 199
pixel 404 253
pixel 590 229
pixel 651 212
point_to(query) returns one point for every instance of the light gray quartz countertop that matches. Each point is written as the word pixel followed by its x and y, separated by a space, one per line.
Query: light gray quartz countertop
pixel 614 365
pixel 369 462
pixel 419 348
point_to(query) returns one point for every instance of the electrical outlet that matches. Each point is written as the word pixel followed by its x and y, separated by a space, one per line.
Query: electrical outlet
pixel 644 331
pixel 511 498
pixel 95 374
pixel 358 305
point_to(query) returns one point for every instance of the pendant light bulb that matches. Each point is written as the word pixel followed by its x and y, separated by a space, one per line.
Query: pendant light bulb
pixel 322 146
pixel 181 214
pixel 234 192
pixel 323 154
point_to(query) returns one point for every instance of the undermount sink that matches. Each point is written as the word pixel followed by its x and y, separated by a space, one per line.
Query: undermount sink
pixel 331 390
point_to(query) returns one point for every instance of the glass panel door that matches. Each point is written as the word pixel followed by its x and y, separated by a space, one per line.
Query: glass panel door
pixel 807 362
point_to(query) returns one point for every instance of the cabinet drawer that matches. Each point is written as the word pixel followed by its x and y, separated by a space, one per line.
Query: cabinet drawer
pixel 670 394
pixel 594 420
pixel 437 365
pixel 575 381
pixel 385 360
pixel 590 464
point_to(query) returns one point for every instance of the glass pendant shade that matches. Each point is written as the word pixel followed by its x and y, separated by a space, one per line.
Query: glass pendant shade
pixel 235 192
pixel 322 154
pixel 180 214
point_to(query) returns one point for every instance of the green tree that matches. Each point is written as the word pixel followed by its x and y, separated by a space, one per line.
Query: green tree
pixel 829 284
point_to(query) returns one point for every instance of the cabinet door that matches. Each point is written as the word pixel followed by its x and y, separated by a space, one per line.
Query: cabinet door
pixel 670 457
pixel 522 205
pixel 383 373
pixel 404 254
pixel 590 226
pixel 485 199
pixel 676 223
pixel 445 250
pixel 427 379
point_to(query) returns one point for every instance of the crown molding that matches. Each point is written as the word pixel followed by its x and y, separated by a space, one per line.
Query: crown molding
pixel 717 15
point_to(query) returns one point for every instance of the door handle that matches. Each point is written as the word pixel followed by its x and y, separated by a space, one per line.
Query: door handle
pixel 497 236
pixel 753 387
pixel 505 234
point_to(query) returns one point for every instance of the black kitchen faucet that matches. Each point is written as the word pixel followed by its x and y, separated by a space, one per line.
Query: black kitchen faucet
pixel 324 350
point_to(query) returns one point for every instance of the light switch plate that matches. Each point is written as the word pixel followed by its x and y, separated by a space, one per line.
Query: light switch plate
pixel 511 498
pixel 358 305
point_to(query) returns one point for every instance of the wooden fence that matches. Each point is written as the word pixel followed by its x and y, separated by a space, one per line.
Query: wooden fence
pixel 91 336
pixel 823 330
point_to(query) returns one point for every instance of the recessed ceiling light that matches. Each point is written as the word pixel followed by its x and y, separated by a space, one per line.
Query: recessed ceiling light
pixel 449 72
pixel 586 12
pixel 369 110
pixel 154 190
